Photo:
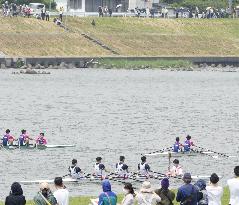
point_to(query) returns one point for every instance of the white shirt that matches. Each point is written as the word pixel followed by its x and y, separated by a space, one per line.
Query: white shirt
pixel 128 200
pixel 234 190
pixel 62 196
pixel 214 194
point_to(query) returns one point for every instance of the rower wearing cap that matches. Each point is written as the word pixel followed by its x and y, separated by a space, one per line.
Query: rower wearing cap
pixel 187 144
pixel 143 167
pixel 41 140
pixel 122 168
pixel 99 168
pixel 75 171
pixel 176 170
pixel 177 147
pixel 7 138
pixel 24 139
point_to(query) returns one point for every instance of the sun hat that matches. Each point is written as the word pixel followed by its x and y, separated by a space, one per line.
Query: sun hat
pixel 44 185
pixel 146 187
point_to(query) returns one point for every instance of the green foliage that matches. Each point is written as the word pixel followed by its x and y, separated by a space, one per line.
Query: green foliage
pixel 143 64
pixel 201 4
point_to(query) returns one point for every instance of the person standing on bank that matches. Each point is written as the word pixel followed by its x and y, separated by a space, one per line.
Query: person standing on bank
pixel 128 194
pixel 167 196
pixel 16 195
pixel 188 193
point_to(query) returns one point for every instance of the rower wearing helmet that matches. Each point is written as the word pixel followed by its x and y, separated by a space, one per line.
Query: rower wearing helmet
pixel 176 170
pixel 187 144
pixel 177 147
pixel 7 138
pixel 143 167
pixel 99 168
pixel 75 171
pixel 122 168
pixel 41 140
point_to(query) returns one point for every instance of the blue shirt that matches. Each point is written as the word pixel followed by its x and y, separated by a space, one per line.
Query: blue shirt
pixel 185 191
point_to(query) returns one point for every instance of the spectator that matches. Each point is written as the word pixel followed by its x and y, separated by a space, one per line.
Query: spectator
pixel 202 192
pixel 100 11
pixel 167 196
pixel 196 12
pixel 44 196
pixel 214 191
pixel 188 193
pixel 61 13
pixel 61 194
pixel 16 195
pixel 233 185
pixel 47 16
pixel 110 12
pixel 128 195
pixel 146 195
pixel 107 197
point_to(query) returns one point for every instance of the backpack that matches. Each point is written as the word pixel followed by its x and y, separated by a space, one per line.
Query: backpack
pixel 188 200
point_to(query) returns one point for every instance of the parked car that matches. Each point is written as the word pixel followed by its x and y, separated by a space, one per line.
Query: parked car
pixel 36 8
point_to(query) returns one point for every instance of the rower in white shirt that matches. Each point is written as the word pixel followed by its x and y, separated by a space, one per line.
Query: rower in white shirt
pixel 176 170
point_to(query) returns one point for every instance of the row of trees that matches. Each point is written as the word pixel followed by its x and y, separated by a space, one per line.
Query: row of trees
pixel 201 4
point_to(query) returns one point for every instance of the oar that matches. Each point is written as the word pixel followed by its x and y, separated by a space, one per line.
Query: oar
pixel 202 152
pixel 218 153
pixel 161 150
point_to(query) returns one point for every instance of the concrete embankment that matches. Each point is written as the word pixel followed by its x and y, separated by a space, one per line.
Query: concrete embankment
pixel 88 62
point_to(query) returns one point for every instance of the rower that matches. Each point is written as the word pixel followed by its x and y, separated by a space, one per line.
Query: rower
pixel 177 147
pixel 75 171
pixel 41 140
pixel 187 144
pixel 99 168
pixel 176 170
pixel 122 168
pixel 7 138
pixel 143 168
pixel 24 139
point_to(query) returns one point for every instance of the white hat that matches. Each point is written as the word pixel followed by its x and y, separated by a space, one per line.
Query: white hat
pixel 146 187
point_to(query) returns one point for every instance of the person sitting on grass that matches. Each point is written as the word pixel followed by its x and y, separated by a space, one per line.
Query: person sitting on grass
pixel 128 194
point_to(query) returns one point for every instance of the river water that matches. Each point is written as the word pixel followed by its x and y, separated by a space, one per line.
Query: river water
pixel 110 113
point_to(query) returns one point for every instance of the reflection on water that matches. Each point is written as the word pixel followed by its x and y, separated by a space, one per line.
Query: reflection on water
pixel 116 112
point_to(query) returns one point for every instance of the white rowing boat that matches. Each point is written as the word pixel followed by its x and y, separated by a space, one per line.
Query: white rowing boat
pixel 178 154
pixel 31 146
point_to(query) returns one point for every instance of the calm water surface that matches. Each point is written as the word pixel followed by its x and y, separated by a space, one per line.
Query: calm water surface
pixel 110 113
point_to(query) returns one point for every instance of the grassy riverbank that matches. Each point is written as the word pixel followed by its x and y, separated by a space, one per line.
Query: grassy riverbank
pixel 144 64
pixel 127 36
pixel 84 200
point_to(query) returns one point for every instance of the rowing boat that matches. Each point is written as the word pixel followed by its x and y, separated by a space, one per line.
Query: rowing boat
pixel 30 147
pixel 178 154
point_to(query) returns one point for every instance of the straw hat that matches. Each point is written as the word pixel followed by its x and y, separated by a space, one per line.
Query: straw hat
pixel 146 187
pixel 44 185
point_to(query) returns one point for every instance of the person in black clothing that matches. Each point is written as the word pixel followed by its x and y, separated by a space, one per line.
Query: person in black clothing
pixel 16 195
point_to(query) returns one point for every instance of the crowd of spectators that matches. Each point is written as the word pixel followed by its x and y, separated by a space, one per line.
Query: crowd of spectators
pixel 199 193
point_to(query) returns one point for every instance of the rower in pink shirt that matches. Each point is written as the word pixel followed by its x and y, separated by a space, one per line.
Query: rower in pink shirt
pixel 41 140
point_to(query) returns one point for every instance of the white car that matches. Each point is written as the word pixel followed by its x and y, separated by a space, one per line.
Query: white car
pixel 36 8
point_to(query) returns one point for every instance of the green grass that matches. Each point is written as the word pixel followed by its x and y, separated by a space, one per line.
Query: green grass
pixel 85 200
pixel 144 64
pixel 128 36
